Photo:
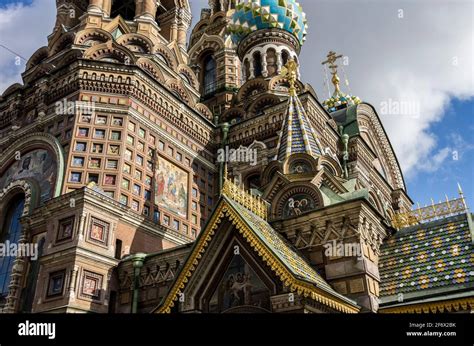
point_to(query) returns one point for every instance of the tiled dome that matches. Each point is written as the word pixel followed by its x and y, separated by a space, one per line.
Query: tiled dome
pixel 253 15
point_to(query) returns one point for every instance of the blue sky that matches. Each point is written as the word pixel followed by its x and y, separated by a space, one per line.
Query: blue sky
pixel 420 51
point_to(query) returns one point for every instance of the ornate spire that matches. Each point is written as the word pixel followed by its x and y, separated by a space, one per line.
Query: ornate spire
pixel 338 100
pixel 297 135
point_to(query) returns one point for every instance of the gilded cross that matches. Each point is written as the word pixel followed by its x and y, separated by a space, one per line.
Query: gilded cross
pixel 331 61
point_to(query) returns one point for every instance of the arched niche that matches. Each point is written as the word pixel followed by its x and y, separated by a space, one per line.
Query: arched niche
pixel 36 157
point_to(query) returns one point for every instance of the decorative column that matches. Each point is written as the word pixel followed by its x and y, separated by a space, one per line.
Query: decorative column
pixel 264 65
pixel 16 278
pixel 279 62
pixel 244 73
pixel 107 7
pixel 82 226
pixel 252 68
pixel 146 8
pixel 72 283
pixel 96 6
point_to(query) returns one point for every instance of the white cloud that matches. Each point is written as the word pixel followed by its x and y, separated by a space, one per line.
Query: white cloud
pixel 425 57
pixel 23 29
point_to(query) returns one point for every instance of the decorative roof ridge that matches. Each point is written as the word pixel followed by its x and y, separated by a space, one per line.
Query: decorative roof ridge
pixel 238 194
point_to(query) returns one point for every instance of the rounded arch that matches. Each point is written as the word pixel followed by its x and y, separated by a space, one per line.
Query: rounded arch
pixel 306 162
pixel 204 110
pixel 110 51
pixel 332 165
pixel 279 83
pixel 12 88
pixel 61 43
pixel 273 168
pixel 262 102
pixel 216 16
pixel 375 201
pixel 136 43
pixel 69 57
pixel 179 90
pixel 235 113
pixel 369 121
pixel 167 55
pixel 151 67
pixel 38 57
pixel 25 187
pixel 253 87
pixel 91 37
pixel 296 199
pixel 189 74
pixel 212 43
pixel 30 143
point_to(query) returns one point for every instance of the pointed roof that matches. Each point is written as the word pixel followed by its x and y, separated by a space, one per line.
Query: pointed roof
pixel 297 135
pixel 292 269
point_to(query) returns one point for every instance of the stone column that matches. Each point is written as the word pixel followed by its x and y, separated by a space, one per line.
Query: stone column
pixel 72 283
pixel 107 7
pixel 96 6
pixel 146 8
pixel 264 65
pixel 279 62
pixel 252 68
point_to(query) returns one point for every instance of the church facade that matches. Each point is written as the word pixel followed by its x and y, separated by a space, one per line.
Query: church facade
pixel 155 167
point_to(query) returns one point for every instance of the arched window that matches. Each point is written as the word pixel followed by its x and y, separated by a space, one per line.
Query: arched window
pixel 271 62
pixel 257 64
pixel 210 75
pixel 10 235
pixel 124 8
pixel 285 56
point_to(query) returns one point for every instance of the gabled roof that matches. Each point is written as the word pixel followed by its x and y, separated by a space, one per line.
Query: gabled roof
pixel 430 260
pixel 297 135
pixel 283 260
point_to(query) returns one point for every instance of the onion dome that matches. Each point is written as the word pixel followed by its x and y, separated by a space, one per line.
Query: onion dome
pixel 338 100
pixel 253 15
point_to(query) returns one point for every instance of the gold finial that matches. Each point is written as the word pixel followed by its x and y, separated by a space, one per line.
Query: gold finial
pixel 331 60
pixel 290 73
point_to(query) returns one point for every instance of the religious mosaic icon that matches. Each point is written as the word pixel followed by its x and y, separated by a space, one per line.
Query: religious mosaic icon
pixel 240 287
pixel 171 187
pixel 56 283
pixel 99 231
pixel 91 285
pixel 298 204
pixel 66 227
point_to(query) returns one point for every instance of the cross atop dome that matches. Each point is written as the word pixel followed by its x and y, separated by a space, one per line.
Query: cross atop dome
pixel 338 100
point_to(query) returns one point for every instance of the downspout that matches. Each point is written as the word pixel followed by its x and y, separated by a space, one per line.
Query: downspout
pixel 137 261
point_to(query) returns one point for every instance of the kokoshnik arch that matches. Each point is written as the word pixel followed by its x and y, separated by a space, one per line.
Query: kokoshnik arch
pixel 123 193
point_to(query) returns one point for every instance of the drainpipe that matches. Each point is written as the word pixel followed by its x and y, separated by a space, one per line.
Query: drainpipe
pixel 137 261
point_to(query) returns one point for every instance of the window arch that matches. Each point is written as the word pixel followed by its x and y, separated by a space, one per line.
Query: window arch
pixel 209 75
pixel 11 234
pixel 257 64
